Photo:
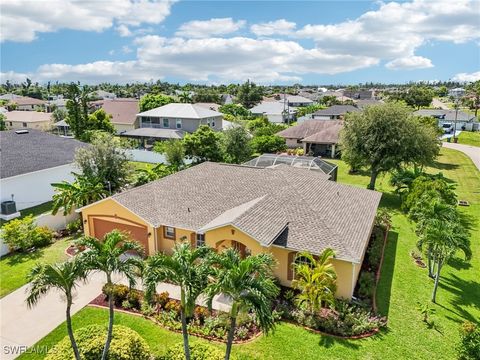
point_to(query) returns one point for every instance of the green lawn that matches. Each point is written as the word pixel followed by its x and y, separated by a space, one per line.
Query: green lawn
pixel 34 210
pixel 469 138
pixel 15 267
pixel 401 286
pixel 137 165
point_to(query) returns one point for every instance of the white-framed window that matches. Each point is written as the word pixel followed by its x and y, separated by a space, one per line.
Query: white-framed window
pixel 166 123
pixel 301 260
pixel 200 240
pixel 24 124
pixel 208 122
pixel 178 124
pixel 169 232
pixel 213 122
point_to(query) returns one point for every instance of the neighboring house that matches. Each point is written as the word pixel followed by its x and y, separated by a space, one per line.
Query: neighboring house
pixel 101 94
pixel 124 113
pixel 281 210
pixel 31 161
pixel 59 103
pixel 359 94
pixel 337 94
pixel 227 99
pixel 275 111
pixel 25 103
pixel 173 120
pixel 28 119
pixel 361 104
pixel 445 117
pixel 317 137
pixel 335 112
pixel 298 101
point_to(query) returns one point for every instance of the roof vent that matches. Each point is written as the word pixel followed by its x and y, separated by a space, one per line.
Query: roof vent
pixel 21 131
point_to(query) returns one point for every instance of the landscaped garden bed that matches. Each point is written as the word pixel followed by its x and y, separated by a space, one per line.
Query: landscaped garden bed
pixel 165 311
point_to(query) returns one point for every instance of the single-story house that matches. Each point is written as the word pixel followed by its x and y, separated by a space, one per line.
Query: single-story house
pixel 282 210
pixel 359 94
pixel 335 112
pixel 274 111
pixel 362 103
pixel 28 119
pixel 317 137
pixel 464 120
pixel 297 100
pixel 124 113
pixel 337 94
pixel 25 103
pixel 58 103
pixel 102 94
pixel 30 161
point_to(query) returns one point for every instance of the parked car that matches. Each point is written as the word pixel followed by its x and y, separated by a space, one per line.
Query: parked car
pixel 447 128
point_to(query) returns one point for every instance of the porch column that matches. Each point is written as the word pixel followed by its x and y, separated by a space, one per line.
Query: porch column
pixel 333 151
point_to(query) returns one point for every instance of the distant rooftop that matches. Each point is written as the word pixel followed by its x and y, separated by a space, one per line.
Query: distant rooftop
pixel 182 111
pixel 336 110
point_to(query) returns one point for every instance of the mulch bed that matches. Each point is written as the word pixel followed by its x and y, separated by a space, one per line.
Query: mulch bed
pixel 101 301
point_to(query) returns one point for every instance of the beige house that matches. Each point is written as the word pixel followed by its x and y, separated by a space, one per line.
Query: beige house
pixel 124 113
pixel 28 119
pixel 25 103
pixel 282 210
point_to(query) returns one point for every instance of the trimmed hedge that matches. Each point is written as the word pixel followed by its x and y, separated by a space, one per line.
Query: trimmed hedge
pixel 198 351
pixel 126 344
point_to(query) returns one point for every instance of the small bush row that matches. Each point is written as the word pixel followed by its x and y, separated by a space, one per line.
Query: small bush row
pixel 23 234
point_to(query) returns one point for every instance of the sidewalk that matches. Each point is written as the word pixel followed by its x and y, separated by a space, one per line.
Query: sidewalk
pixel 472 152
pixel 22 327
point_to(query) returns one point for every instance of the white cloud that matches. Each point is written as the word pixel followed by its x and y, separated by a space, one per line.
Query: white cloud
pixel 467 77
pixel 123 30
pixel 21 20
pixel 207 28
pixel 409 63
pixel 126 49
pixel 210 60
pixel 396 30
pixel 277 27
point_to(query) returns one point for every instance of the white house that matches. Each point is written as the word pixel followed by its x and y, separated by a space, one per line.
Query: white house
pixel 30 161
pixel 275 111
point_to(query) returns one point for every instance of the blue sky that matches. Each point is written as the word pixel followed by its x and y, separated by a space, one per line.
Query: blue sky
pixel 277 42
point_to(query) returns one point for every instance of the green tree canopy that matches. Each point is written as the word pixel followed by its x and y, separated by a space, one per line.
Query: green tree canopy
pixel 268 144
pixel 203 145
pixel 236 110
pixel 152 101
pixel 206 95
pixel 100 120
pixel 236 144
pixel 249 94
pixel 77 107
pixel 385 137
pixel 3 126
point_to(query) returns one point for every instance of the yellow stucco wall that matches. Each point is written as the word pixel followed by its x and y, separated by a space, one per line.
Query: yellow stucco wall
pixel 38 125
pixel 110 207
pixel 219 239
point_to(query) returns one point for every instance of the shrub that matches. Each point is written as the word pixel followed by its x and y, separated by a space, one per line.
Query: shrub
pixel 118 291
pixel 74 226
pixel 469 346
pixel 200 313
pixel 147 309
pixel 42 236
pixel 162 299
pixel 198 351
pixel 17 233
pixel 366 284
pixel 126 345
pixel 173 305
pixel 374 252
pixel 134 297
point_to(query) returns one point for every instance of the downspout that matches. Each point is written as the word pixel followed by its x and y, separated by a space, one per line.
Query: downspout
pixel 354 265
pixel 155 245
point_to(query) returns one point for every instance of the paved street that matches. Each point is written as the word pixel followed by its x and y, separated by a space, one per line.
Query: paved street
pixel 472 152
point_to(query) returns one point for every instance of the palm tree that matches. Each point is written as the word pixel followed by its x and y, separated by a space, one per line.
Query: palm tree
pixel 110 256
pixel 186 268
pixel 79 193
pixel 316 279
pixel 149 174
pixel 184 97
pixel 64 277
pixel 249 283
pixel 444 239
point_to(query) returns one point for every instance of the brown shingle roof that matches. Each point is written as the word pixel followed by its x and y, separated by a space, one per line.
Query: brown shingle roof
pixel 264 203
pixel 314 131
pixel 25 100
pixel 123 111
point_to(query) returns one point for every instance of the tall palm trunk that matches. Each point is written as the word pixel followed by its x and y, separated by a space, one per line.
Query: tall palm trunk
pixel 231 331
pixel 70 329
pixel 186 347
pixel 110 319
pixel 430 263
pixel 437 279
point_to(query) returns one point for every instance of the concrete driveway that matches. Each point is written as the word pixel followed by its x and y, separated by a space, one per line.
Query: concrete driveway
pixel 22 327
pixel 473 152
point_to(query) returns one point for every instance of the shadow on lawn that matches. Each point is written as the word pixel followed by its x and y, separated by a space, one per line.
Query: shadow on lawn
pixel 391 201
pixel 384 288
pixel 19 258
pixel 328 341
pixel 466 293
pixel 444 166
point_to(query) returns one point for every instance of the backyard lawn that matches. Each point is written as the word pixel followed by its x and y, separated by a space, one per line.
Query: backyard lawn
pixel 402 286
pixel 469 138
pixel 15 267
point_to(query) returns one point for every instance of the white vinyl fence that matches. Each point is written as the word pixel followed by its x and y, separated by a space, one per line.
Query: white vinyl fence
pixel 54 222
pixel 146 156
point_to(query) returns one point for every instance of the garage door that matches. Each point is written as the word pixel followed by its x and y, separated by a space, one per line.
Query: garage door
pixel 137 232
